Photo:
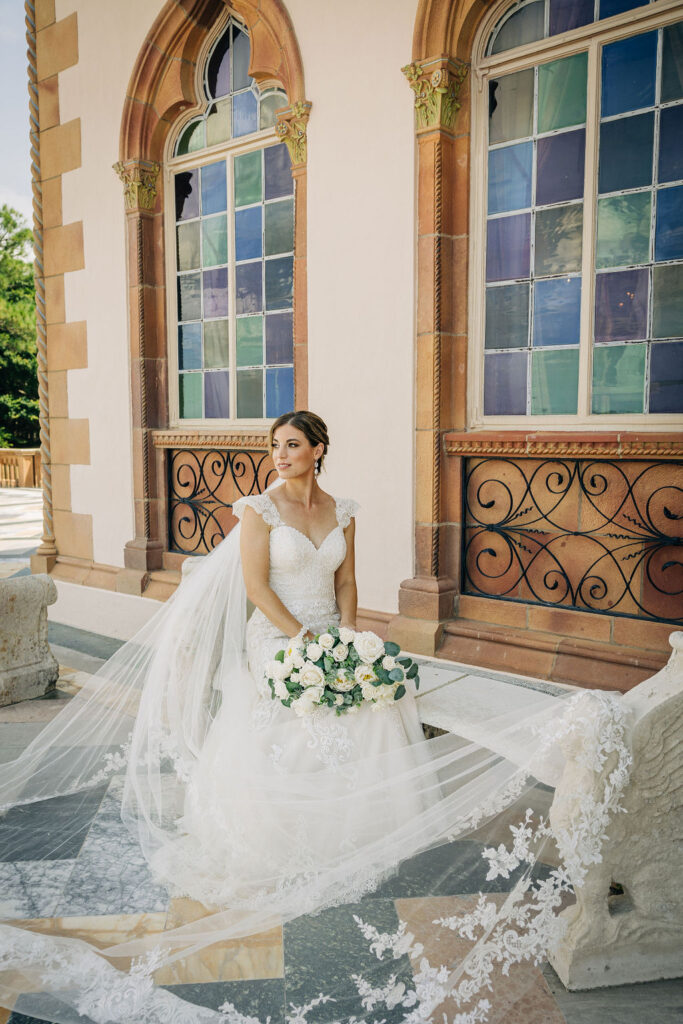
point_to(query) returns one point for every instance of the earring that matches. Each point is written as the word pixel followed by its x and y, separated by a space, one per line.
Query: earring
pixel 317 466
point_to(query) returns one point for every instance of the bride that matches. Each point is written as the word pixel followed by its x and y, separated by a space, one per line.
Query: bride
pixel 259 815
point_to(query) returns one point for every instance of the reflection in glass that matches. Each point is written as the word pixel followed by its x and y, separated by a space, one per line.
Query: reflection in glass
pixel 190 396
pixel 214 241
pixel 628 74
pixel 190 347
pixel 526 25
pixel 247 171
pixel 279 338
pixel 218 123
pixel 568 14
pixel 214 194
pixel 621 305
pixel 216 348
pixel 560 164
pixel 667 301
pixel 505 383
pixel 186 195
pixel 191 139
pixel 554 382
pixel 250 393
pixel 244 114
pixel 248 233
pixel 215 293
pixel 511 106
pixel 218 70
pixel 278 172
pixel 189 297
pixel 618 378
pixel 217 394
pixel 507 316
pixel 558 239
pixel 271 102
pixel 248 288
pixel 509 178
pixel 507 247
pixel 279 390
pixel 240 58
pixel 562 92
pixel 557 311
pixel 623 230
pixel 626 153
pixel 249 339
pixel 666 377
pixel 279 282
pixel 279 227
pixel 669 230
pixel 608 8
pixel 187 246
pixel 671 144
pixel 672 63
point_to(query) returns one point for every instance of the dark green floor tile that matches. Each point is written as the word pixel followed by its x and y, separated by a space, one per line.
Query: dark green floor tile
pixel 52 829
pixel 260 999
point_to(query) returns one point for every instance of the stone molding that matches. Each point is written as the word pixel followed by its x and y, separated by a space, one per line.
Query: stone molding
pixel 139 179
pixel 436 83
pixel 291 129
pixel 616 446
pixel 183 439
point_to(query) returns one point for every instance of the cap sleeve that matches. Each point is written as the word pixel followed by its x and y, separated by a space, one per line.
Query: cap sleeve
pixel 346 508
pixel 261 503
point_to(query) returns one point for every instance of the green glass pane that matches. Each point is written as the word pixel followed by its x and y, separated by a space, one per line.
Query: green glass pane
pixel 248 187
pixel 191 139
pixel 268 105
pixel 218 123
pixel 558 239
pixel 511 106
pixel 667 302
pixel 189 297
pixel 562 93
pixel 216 346
pixel 618 378
pixel 279 282
pixel 249 340
pixel 188 246
pixel 250 394
pixel 191 396
pixel 672 62
pixel 623 230
pixel 215 241
pixel 279 227
pixel 507 316
pixel 554 382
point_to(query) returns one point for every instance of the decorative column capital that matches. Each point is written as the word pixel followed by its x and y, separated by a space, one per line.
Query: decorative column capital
pixel 291 129
pixel 139 179
pixel 436 83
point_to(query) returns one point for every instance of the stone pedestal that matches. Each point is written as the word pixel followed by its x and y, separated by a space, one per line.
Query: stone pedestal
pixel 28 668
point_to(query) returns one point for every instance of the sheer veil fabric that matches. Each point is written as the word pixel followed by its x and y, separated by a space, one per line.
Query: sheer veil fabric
pixel 260 816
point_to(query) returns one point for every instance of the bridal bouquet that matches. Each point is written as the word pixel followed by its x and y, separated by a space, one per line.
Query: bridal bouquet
pixel 340 669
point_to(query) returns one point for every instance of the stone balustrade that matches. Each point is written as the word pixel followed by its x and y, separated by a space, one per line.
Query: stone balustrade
pixel 28 668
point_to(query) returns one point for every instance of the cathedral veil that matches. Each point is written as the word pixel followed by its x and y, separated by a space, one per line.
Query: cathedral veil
pixel 133 736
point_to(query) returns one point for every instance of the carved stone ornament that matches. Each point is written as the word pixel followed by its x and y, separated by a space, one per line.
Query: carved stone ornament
pixel 179 439
pixel 436 84
pixel 139 179
pixel 291 129
pixel 616 447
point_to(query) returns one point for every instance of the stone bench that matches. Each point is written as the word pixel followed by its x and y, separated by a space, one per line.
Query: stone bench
pixel 28 668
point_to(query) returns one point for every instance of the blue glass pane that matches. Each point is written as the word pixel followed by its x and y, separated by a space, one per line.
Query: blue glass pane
pixel 248 288
pixel 507 248
pixel 278 170
pixel 628 74
pixel 626 153
pixel 186 195
pixel 244 114
pixel 240 60
pixel 557 311
pixel 190 347
pixel 505 376
pixel 669 230
pixel 215 293
pixel 218 71
pixel 608 8
pixel 560 164
pixel 666 377
pixel 671 144
pixel 672 62
pixel 507 316
pixel 279 390
pixel 568 14
pixel 279 338
pixel 510 177
pixel 621 305
pixel 214 195
pixel 217 394
pixel 279 282
pixel 248 233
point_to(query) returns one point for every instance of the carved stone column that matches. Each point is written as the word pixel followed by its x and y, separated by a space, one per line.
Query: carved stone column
pixel 428 599
pixel 143 552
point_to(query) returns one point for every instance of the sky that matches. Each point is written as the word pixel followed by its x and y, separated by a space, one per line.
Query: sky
pixel 15 154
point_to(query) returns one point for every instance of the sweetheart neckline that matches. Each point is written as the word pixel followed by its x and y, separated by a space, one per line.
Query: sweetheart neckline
pixel 300 532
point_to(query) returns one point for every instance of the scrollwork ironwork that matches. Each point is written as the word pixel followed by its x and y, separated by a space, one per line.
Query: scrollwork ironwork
pixel 596 535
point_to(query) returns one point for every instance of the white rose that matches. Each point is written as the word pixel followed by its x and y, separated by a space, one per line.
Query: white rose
pixel 308 700
pixel 340 653
pixel 326 641
pixel 295 647
pixel 343 682
pixel 311 676
pixel 346 635
pixel 313 652
pixel 339 699
pixel 295 675
pixel 298 661
pixel 368 691
pixel 281 690
pixel 364 674
pixel 278 669
pixel 388 662
pixel 369 646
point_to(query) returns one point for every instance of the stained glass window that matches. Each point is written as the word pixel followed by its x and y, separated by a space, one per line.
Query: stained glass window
pixel 234 246
pixel 531 20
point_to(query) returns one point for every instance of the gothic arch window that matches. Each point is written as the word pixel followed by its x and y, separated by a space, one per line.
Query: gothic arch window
pixel 230 247
pixel 577 241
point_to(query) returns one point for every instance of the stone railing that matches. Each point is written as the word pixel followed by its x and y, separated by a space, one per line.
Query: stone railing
pixel 20 467
pixel 28 667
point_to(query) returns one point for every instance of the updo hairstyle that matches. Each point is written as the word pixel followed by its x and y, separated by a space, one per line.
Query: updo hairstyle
pixel 312 426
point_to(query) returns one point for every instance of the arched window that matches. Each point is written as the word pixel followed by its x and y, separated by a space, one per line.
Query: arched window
pixel 577 251
pixel 231 214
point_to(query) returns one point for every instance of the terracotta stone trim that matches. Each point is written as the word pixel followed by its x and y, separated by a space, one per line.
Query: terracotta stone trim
pixel 202 439
pixel 624 445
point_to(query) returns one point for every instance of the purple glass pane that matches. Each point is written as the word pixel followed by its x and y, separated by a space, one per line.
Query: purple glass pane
pixel 278 169
pixel 215 293
pixel 505 384
pixel 671 144
pixel 244 114
pixel 279 338
pixel 217 394
pixel 568 14
pixel 557 311
pixel 560 162
pixel 248 233
pixel 666 377
pixel 621 305
pixel 610 7
pixel 669 231
pixel 248 288
pixel 507 248
pixel 509 184
pixel 628 74
pixel 279 390
pixel 214 194
pixel 241 55
pixel 218 71
pixel 626 153
pixel 186 195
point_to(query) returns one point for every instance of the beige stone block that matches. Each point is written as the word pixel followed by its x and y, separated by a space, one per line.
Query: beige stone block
pixel 54 299
pixel 64 249
pixel 28 668
pixel 48 102
pixel 61 487
pixel 73 533
pixel 70 443
pixel 60 149
pixel 45 13
pixel 57 394
pixel 57 47
pixel 67 347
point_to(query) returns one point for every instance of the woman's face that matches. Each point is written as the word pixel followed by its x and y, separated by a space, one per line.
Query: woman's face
pixel 293 453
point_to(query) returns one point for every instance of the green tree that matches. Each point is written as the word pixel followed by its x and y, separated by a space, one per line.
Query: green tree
pixel 19 426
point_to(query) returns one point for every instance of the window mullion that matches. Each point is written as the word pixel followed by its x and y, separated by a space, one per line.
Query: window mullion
pixel 590 192
pixel 232 321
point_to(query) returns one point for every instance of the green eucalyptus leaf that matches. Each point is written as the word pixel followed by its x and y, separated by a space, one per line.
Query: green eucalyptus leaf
pixel 412 671
pixel 391 648
pixel 280 656
pixel 396 675
pixel 400 692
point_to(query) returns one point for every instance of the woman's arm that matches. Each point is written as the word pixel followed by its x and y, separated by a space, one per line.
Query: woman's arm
pixel 345 588
pixel 255 554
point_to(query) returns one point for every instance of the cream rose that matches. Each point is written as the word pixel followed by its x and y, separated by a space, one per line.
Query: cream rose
pixel 339 700
pixel 294 647
pixel 308 700
pixel 388 662
pixel 298 661
pixel 364 674
pixel 369 646
pixel 326 641
pixel 281 690
pixel 340 653
pixel 278 669
pixel 313 652
pixel 311 676
pixel 346 635
pixel 343 682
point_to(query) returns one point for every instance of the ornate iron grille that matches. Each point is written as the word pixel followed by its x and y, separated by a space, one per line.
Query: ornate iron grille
pixel 591 534
pixel 202 484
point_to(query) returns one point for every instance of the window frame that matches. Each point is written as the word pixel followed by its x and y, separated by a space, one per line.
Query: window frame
pixel 172 165
pixel 590 39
